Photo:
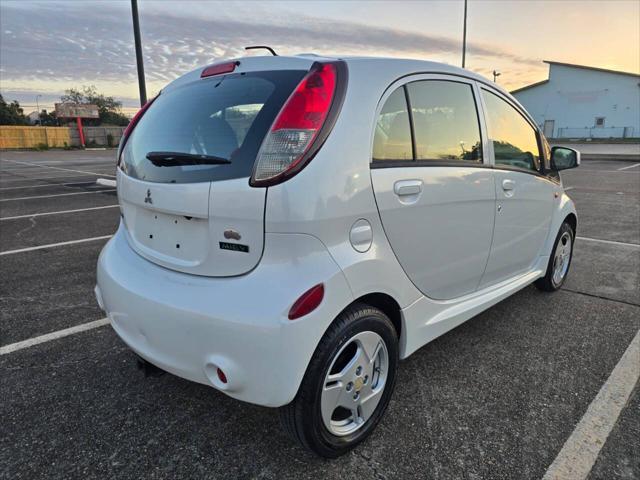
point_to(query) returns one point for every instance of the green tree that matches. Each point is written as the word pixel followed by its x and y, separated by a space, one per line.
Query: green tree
pixel 109 109
pixel 11 113
pixel 48 119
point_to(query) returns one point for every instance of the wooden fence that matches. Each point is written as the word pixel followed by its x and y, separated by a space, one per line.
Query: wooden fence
pixel 14 136
pixel 18 136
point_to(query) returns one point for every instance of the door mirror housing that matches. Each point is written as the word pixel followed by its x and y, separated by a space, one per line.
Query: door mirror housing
pixel 563 158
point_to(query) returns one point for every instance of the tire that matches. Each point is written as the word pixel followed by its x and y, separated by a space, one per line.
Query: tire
pixel 552 280
pixel 348 344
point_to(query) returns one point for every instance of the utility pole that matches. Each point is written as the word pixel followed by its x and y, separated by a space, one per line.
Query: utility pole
pixel 139 61
pixel 464 35
pixel 496 74
pixel 38 110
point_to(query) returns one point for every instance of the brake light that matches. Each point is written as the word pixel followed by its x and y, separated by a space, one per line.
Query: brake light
pixel 219 69
pixel 287 148
pixel 307 302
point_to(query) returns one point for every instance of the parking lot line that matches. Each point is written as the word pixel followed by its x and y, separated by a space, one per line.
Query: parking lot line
pixel 45 185
pixel 59 176
pixel 51 245
pixel 63 169
pixel 580 451
pixel 55 195
pixel 57 213
pixel 609 242
pixel 630 166
pixel 12 347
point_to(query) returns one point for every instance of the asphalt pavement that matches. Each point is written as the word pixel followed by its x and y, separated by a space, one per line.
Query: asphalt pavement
pixel 496 398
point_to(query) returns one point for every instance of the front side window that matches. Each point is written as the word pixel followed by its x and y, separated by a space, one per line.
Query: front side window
pixel 514 140
pixel 445 121
pixel 392 139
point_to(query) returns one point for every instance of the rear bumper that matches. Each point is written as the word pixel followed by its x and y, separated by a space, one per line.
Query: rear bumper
pixel 190 325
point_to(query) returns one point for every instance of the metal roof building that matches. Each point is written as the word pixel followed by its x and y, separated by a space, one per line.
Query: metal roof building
pixel 577 101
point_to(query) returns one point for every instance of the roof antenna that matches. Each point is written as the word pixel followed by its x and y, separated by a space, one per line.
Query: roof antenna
pixel 255 47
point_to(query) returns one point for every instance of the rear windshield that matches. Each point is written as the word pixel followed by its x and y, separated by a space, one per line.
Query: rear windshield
pixel 223 116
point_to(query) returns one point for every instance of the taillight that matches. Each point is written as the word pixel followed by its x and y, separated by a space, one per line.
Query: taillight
pixel 301 126
pixel 219 69
pixel 132 124
pixel 307 302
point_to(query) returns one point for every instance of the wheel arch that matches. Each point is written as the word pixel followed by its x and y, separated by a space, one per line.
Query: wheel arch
pixel 564 211
pixel 572 220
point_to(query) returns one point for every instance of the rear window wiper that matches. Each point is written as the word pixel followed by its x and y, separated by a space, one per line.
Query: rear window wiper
pixel 176 159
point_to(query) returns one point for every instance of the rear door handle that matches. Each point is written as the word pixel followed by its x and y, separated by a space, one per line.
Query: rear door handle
pixel 407 187
pixel 508 185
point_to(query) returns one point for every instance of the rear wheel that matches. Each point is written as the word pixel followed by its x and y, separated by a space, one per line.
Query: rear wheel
pixel 348 383
pixel 560 260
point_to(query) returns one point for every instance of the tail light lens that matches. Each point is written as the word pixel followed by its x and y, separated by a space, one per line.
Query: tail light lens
pixel 293 138
pixel 132 124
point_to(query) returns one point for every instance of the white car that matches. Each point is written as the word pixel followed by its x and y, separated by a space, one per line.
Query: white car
pixel 292 227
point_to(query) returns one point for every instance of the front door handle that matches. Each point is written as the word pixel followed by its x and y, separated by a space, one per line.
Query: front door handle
pixel 407 187
pixel 508 185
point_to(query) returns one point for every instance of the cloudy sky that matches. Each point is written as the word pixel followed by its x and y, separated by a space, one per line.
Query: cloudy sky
pixel 48 46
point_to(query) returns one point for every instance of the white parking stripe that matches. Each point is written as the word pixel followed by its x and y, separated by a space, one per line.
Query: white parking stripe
pixel 630 166
pixel 61 176
pixel 13 347
pixel 106 182
pixel 610 242
pixel 48 185
pixel 51 245
pixel 57 213
pixel 580 451
pixel 55 195
pixel 566 189
pixel 59 168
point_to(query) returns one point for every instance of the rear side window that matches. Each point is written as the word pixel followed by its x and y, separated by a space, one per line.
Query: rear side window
pixel 515 143
pixel 445 121
pixel 392 139
pixel 222 116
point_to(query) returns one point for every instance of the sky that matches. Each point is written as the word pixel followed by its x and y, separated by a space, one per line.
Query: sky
pixel 49 46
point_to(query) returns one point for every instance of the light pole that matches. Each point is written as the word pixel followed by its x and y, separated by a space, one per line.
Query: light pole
pixel 464 34
pixel 139 61
pixel 38 109
pixel 496 74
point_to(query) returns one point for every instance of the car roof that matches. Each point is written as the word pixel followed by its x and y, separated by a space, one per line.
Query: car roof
pixel 304 61
pixel 389 67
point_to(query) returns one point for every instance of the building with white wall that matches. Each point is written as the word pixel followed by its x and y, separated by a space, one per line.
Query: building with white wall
pixel 584 102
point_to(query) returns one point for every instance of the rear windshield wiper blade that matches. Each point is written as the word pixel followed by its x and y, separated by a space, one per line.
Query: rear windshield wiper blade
pixel 176 159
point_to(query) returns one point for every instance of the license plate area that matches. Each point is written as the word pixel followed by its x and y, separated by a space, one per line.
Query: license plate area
pixel 178 237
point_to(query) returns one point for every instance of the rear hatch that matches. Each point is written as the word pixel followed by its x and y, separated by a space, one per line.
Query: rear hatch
pixel 183 181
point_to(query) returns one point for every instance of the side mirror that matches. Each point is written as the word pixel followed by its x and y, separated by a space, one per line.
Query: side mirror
pixel 563 158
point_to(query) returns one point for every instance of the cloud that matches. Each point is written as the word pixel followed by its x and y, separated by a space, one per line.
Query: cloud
pixel 75 44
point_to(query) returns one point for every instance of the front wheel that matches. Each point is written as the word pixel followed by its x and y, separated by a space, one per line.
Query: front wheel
pixel 348 384
pixel 560 260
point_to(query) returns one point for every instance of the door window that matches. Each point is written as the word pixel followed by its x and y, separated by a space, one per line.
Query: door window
pixel 445 121
pixel 392 140
pixel 515 143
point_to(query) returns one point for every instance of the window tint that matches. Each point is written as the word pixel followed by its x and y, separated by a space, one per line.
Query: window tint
pixel 514 139
pixel 445 121
pixel 392 140
pixel 223 116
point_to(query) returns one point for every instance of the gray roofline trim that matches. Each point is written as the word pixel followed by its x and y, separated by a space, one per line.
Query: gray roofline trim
pixel 597 69
pixel 526 87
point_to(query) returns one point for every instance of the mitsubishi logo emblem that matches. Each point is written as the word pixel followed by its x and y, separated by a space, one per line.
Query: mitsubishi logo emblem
pixel 148 198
